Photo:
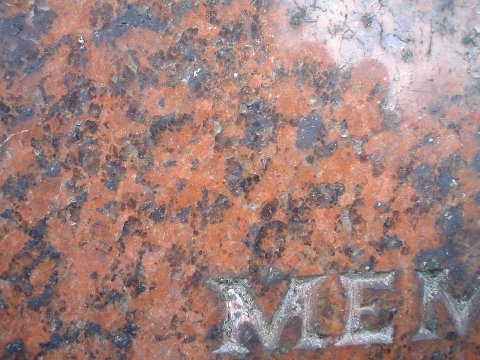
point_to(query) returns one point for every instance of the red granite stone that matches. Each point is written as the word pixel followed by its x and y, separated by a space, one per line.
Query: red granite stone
pixel 147 147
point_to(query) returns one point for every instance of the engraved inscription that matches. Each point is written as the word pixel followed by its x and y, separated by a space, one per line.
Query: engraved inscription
pixel 461 311
pixel 354 285
pixel 242 310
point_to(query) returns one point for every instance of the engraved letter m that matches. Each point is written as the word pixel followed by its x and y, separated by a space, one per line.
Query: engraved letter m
pixel 241 310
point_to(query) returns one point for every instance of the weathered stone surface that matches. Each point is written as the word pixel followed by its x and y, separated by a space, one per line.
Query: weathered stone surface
pixel 309 167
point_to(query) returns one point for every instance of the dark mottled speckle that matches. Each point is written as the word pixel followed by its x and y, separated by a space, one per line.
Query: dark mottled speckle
pixel 310 130
pixel 325 195
pixel 450 221
pixel 389 243
pixel 15 347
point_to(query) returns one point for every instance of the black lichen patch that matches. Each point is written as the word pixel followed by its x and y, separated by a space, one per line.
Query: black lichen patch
pixel 310 130
pixel 325 195
pixel 132 17
pixel 260 125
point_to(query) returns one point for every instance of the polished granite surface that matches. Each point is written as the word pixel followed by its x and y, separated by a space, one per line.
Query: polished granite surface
pixel 152 150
